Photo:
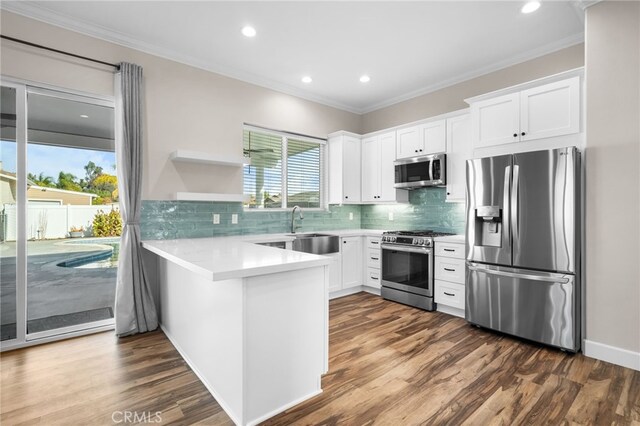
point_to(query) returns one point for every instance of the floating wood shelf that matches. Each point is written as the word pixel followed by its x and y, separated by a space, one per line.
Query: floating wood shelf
pixel 205 158
pixel 210 196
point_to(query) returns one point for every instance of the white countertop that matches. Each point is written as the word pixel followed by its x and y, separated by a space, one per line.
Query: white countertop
pixel 460 239
pixel 226 258
pixel 222 258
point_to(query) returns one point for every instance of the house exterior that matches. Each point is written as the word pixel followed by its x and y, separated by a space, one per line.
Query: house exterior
pixel 41 194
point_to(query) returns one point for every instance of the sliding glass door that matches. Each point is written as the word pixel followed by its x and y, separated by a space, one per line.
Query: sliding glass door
pixel 9 186
pixel 61 228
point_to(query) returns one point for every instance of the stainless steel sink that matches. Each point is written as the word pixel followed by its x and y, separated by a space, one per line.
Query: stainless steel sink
pixel 316 243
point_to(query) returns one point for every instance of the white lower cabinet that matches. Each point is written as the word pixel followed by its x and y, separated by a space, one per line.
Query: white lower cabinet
pixel 356 266
pixel 335 272
pixel 450 294
pixel 372 264
pixel 351 248
pixel 449 274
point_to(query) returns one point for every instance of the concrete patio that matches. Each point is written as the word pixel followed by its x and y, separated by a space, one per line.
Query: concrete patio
pixel 54 292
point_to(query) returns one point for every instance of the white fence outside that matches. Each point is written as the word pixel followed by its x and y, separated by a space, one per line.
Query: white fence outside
pixel 52 222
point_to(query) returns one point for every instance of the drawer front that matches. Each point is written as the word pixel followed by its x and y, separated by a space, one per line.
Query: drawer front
pixel 450 294
pixel 373 277
pixel 449 269
pixel 373 258
pixel 450 250
pixel 373 242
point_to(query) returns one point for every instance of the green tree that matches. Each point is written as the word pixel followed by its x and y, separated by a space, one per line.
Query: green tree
pixel 104 182
pixel 92 171
pixel 41 180
pixel 68 182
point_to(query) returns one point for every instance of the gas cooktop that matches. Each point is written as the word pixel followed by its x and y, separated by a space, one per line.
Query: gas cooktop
pixel 418 233
pixel 421 238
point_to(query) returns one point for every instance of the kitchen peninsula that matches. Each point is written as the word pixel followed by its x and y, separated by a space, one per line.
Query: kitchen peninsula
pixel 250 320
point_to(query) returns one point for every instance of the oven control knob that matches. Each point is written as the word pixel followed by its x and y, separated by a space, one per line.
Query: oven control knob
pixel 420 241
pixel 393 239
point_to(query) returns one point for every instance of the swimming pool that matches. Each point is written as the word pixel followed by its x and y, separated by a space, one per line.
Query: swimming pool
pixel 106 255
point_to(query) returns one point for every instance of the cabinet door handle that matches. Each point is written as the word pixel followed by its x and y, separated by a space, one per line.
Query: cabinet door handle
pixel 449 249
pixel 449 294
pixel 523 133
pixel 346 196
pixel 449 269
pixel 374 278
pixel 375 242
pixel 515 135
pixel 375 258
pixel 420 150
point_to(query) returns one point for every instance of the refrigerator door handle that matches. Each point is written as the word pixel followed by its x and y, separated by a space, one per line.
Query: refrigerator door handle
pixel 515 201
pixel 516 275
pixel 506 217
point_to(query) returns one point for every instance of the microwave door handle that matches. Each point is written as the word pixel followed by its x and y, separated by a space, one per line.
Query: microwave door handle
pixel 431 169
pixel 515 193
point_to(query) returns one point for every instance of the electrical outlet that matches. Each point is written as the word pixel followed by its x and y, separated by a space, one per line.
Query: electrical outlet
pixel 216 219
pixel 350 215
pixel 234 218
pixel 390 215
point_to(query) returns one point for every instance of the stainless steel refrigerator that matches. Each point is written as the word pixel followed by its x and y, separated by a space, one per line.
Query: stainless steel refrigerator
pixel 523 245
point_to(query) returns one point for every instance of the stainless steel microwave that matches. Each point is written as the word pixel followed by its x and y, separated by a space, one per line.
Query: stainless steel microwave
pixel 417 172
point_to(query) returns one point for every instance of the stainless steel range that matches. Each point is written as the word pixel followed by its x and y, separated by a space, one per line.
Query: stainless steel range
pixel 407 267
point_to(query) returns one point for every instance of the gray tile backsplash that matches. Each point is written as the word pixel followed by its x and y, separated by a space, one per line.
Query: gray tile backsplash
pixel 193 219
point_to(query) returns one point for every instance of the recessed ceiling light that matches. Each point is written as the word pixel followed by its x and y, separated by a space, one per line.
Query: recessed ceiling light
pixel 249 31
pixel 531 6
pixel 365 79
pixel 84 116
pixel 306 79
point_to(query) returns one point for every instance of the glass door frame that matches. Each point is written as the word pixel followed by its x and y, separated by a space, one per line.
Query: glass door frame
pixel 24 339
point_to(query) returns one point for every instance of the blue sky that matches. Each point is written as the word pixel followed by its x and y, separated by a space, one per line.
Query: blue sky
pixel 50 160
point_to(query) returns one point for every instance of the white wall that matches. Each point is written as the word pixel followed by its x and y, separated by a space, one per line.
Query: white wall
pixel 613 176
pixel 185 107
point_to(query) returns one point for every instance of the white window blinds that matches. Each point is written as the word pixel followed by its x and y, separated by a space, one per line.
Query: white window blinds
pixel 284 171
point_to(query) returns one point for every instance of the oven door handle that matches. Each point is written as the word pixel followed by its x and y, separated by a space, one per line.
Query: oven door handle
pixel 419 250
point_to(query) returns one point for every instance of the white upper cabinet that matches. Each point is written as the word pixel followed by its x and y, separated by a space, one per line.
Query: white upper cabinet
pixel 423 139
pixel 378 171
pixel 387 170
pixel 370 169
pixel 458 152
pixel 408 142
pixel 433 137
pixel 550 110
pixel 496 121
pixel 538 112
pixel 344 169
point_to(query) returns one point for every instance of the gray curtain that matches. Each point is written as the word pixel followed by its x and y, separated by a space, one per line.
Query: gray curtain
pixel 135 310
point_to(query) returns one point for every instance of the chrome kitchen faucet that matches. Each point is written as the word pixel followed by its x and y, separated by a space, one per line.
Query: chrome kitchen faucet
pixel 293 218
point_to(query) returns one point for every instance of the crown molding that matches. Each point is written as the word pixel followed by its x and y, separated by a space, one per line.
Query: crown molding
pixel 585 4
pixel 514 60
pixel 43 14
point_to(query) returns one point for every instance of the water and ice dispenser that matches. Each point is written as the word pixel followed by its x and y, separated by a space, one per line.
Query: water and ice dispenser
pixel 488 225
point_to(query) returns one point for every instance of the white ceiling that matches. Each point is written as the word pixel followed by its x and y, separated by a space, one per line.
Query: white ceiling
pixel 408 48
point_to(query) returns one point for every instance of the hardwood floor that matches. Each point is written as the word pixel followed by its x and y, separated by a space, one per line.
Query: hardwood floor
pixel 389 364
